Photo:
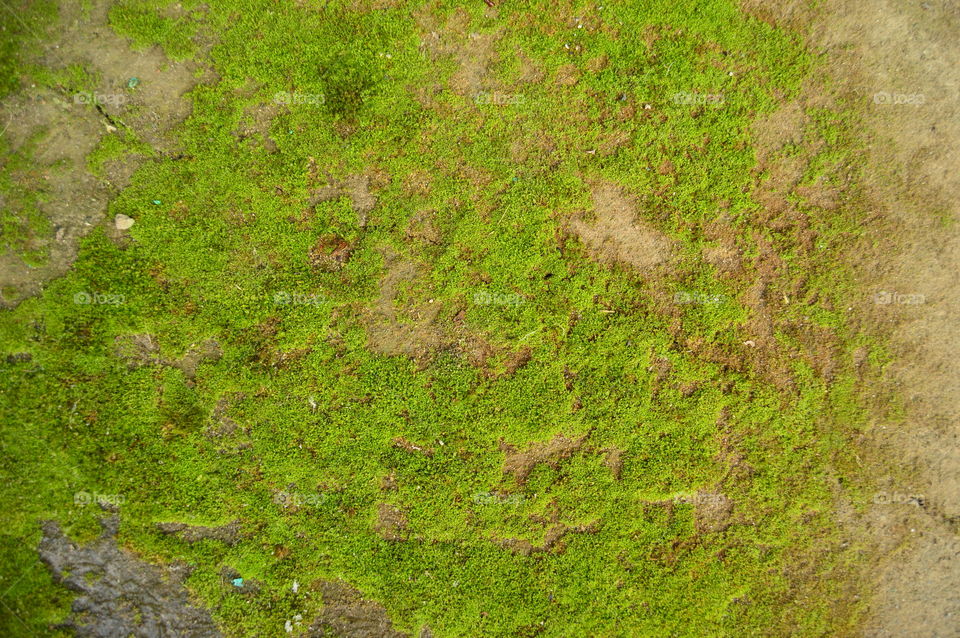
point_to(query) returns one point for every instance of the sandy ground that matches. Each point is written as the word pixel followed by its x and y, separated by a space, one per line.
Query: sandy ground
pixel 899 63
pixel 73 199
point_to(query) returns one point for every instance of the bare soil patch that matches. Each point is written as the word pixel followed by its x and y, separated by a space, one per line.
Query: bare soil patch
pixel 616 234
pixel 613 459
pixel 144 350
pixel 357 187
pixel 71 198
pixel 72 124
pixel 520 464
pixel 712 512
pixel 474 53
pixel 553 540
pixel 413 331
pixel 408 446
pixel 256 123
pixel 228 534
pixel 391 522
pixel 415 327
pixel 879 50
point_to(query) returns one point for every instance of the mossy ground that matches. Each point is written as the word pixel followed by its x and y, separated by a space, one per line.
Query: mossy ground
pixel 221 231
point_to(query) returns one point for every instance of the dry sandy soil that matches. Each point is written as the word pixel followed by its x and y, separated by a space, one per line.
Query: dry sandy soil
pixel 899 62
pixel 73 199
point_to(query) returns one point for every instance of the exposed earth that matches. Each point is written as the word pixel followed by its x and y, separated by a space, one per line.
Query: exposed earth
pixel 875 50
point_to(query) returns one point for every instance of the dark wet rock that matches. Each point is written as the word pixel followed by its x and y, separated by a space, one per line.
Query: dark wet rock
pixel 347 614
pixel 118 594
pixel 228 534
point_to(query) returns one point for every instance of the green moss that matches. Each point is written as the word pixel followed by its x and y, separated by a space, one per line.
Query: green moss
pixel 318 410
pixel 22 31
pixel 146 25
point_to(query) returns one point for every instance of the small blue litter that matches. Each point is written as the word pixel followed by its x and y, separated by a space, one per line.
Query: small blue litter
pixel 237 582
pixel 132 83
pixel 157 202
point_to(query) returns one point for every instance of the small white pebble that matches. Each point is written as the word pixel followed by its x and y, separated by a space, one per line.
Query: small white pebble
pixel 123 222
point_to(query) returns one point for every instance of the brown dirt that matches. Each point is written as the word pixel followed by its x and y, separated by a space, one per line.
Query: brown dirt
pixel 530 71
pixel 552 452
pixel 330 253
pixel 613 459
pixel 389 482
pixel 401 325
pixel 727 259
pixel 256 123
pixel 418 183
pixel 712 512
pixel 553 539
pixel 422 227
pixel 139 350
pixel 408 446
pixel 884 47
pixel 391 522
pixel 347 614
pixel 74 199
pixel 473 52
pixel 357 187
pixel 228 534
pixel 395 329
pixel 516 360
pixel 208 351
pixel 616 234
pixel 568 75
